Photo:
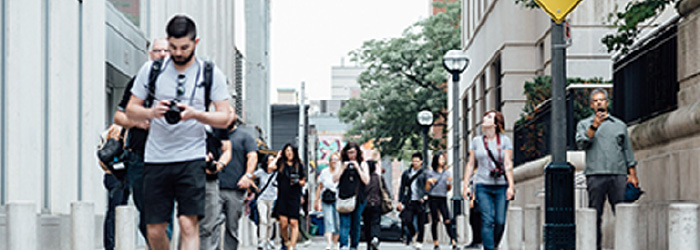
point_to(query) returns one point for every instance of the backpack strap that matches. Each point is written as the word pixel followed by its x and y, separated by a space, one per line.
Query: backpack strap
pixel 156 68
pixel 208 80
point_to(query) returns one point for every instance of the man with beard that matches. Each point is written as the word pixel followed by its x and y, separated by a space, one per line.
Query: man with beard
pixel 176 147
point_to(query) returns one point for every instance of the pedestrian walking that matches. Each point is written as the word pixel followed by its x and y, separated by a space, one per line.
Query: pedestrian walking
pixel 291 176
pixel 235 179
pixel 373 210
pixel 610 163
pixel 494 177
pixel 438 183
pixel 326 195
pixel 175 149
pixel 413 196
pixel 218 156
pixel 265 201
pixel 352 177
pixel 135 143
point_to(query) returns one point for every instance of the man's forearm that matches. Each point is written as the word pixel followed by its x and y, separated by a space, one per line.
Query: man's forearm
pixel 218 119
pixel 121 119
pixel 252 162
pixel 137 112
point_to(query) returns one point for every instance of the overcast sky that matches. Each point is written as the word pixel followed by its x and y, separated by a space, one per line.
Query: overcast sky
pixel 308 37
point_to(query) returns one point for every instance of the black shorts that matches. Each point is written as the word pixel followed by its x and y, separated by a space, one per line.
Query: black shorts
pixel 166 183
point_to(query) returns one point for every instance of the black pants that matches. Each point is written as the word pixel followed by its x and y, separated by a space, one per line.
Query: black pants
pixel 439 205
pixel 372 219
pixel 414 209
pixel 118 193
pixel 599 188
pixel 475 223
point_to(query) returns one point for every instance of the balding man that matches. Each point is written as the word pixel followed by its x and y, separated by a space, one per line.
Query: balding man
pixel 136 141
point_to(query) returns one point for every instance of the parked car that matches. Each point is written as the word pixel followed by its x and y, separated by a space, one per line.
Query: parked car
pixel 390 229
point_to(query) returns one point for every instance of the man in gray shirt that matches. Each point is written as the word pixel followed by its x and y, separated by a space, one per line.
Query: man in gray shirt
pixel 610 161
pixel 175 152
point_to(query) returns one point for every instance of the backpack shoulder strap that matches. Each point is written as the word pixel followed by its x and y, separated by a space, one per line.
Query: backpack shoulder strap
pixel 208 81
pixel 156 68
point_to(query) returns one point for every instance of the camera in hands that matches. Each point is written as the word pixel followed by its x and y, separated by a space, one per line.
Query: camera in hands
pixel 294 178
pixel 172 116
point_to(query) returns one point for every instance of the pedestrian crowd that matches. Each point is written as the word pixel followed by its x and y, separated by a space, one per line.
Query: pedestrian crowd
pixel 183 148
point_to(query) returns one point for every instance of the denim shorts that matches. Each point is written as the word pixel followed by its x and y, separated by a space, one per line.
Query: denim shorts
pixel 331 223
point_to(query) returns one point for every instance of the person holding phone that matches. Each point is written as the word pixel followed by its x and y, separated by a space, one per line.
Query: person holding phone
pixel 493 151
pixel 291 176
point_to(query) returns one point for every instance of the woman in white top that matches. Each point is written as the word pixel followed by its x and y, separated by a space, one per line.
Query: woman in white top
pixel 266 200
pixel 326 194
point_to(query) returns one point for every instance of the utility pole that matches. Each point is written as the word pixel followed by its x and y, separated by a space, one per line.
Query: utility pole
pixel 302 125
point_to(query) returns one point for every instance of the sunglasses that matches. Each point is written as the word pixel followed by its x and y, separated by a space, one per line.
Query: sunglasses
pixel 181 85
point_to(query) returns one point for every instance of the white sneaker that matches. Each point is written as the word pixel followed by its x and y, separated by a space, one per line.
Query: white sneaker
pixel 306 243
pixel 261 246
pixel 418 246
pixel 375 243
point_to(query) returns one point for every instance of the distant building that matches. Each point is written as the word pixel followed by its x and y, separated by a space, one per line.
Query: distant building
pixel 344 81
pixel 287 96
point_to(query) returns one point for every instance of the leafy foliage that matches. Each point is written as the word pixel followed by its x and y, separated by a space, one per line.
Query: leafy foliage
pixel 536 92
pixel 530 4
pixel 627 23
pixel 403 76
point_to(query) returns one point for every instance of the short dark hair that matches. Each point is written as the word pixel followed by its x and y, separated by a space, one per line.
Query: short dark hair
pixel 417 155
pixel 180 26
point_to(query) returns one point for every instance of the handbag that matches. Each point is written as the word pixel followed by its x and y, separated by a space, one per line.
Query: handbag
pixel 346 206
pixel 387 204
pixel 328 196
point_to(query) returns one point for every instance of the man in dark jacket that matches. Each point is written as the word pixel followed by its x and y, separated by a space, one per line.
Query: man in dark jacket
pixel 412 195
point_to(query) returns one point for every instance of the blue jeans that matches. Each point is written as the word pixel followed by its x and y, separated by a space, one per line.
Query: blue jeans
pixel 493 205
pixel 350 226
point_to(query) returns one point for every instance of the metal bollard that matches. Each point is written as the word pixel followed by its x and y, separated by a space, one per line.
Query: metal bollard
pixel 515 228
pixel 21 225
pixel 585 229
pixel 125 228
pixel 683 226
pixel 82 216
pixel 532 231
pixel 626 226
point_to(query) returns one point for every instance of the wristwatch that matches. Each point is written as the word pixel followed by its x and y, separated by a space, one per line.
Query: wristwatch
pixel 249 175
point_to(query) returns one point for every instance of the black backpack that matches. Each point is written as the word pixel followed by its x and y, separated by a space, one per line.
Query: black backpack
pixel 156 68
pixel 349 183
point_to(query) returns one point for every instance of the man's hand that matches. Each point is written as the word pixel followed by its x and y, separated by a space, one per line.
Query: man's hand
pixel 160 108
pixel 188 112
pixel 399 207
pixel 467 191
pixel 244 182
pixel 599 118
pixel 633 179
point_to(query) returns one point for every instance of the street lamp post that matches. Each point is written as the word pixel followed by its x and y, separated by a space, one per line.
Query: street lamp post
pixel 455 62
pixel 425 120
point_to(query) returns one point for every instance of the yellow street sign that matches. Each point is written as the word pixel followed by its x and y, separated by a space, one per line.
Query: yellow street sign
pixel 558 9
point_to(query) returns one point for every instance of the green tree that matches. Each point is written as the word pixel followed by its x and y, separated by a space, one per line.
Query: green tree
pixel 404 75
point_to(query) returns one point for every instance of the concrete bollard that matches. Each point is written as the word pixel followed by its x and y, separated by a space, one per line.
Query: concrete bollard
pixel 626 226
pixel 21 225
pixel 82 216
pixel 461 228
pixel 683 226
pixel 532 229
pixel 125 228
pixel 515 228
pixel 585 229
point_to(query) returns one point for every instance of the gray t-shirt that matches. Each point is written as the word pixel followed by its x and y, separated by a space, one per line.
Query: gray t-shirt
pixel 270 193
pixel 439 189
pixel 415 188
pixel 186 140
pixel 484 162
